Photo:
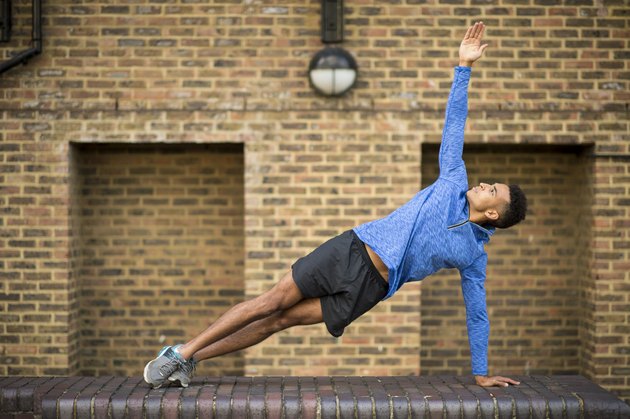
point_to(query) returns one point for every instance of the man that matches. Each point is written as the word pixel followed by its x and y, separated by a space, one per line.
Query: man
pixel 443 226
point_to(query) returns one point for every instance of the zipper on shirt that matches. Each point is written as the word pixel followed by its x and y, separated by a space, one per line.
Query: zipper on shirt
pixel 457 225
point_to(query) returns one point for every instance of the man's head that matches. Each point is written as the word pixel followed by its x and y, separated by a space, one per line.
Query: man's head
pixel 497 205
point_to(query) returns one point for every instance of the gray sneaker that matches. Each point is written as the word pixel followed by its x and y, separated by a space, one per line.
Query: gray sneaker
pixel 158 370
pixel 184 373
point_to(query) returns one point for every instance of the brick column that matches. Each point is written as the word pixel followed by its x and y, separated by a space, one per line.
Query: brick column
pixel 37 296
pixel 311 183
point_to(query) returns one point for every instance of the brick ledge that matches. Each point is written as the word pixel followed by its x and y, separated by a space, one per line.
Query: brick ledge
pixel 306 397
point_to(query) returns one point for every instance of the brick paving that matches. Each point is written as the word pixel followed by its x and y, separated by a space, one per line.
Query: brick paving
pixel 306 397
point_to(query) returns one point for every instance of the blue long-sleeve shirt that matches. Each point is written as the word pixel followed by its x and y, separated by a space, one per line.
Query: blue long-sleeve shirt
pixel 432 231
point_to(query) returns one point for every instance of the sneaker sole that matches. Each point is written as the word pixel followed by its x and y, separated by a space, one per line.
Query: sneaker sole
pixel 178 381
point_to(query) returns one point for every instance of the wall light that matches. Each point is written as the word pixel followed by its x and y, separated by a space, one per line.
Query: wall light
pixel 332 71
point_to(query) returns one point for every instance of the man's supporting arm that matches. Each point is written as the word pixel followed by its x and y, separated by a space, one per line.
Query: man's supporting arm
pixel 473 289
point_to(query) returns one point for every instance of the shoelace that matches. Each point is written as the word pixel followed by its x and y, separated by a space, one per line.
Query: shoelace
pixel 169 367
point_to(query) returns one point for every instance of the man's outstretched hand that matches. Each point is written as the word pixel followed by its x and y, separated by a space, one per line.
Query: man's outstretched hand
pixel 496 380
pixel 471 48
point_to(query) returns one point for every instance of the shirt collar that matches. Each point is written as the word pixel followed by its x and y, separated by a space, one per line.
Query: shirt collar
pixel 481 232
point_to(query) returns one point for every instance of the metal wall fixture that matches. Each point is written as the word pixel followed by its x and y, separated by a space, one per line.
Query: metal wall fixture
pixel 24 56
pixel 5 20
pixel 332 70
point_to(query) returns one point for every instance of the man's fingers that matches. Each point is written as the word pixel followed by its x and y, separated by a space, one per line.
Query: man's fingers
pixel 496 380
pixel 482 28
pixel 477 31
pixel 468 32
pixel 505 381
pixel 500 383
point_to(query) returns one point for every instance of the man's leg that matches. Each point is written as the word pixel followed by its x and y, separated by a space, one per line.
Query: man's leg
pixel 284 295
pixel 304 313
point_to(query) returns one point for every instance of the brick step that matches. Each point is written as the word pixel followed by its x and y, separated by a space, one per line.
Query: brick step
pixel 306 397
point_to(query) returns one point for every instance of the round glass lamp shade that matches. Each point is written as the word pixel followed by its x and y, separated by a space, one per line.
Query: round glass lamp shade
pixel 332 71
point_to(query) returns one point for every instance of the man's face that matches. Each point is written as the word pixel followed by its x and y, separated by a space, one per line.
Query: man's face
pixel 484 197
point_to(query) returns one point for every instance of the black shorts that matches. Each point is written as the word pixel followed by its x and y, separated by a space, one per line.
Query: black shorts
pixel 341 274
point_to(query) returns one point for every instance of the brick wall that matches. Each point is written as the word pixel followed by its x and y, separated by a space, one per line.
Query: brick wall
pixel 193 72
pixel 533 277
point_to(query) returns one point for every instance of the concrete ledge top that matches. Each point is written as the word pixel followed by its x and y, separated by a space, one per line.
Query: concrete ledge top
pixel 307 397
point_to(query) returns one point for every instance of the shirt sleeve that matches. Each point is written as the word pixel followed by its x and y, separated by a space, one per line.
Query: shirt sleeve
pixel 452 147
pixel 473 279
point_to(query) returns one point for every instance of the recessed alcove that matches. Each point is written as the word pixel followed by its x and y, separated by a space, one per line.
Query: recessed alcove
pixel 536 271
pixel 158 249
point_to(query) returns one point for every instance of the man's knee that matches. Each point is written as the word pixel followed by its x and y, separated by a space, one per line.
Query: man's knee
pixel 305 313
pixel 284 295
pixel 284 320
pixel 275 323
pixel 264 305
pixel 279 321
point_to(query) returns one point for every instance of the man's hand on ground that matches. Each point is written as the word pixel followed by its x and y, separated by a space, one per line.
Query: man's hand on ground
pixel 495 380
pixel 471 48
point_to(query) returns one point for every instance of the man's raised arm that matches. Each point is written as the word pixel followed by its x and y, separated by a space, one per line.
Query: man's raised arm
pixel 451 149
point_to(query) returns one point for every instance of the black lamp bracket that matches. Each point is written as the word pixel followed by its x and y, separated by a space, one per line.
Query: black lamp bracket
pixel 332 21
pixel 5 20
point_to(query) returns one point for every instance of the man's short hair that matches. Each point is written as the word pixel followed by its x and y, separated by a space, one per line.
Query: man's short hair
pixel 514 212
